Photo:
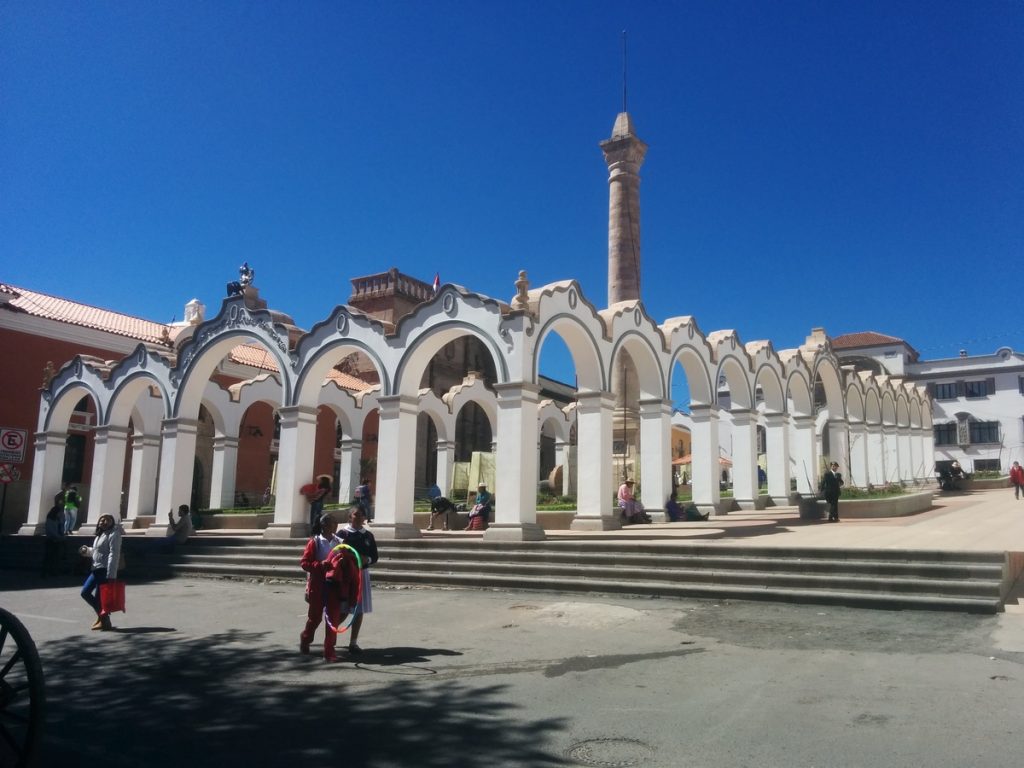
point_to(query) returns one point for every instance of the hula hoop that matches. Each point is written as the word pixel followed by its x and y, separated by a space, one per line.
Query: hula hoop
pixel 343 627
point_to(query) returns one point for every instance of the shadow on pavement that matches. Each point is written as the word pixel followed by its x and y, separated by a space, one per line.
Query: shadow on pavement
pixel 130 698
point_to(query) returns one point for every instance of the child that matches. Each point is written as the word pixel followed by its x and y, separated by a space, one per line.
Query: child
pixel 316 561
pixel 360 539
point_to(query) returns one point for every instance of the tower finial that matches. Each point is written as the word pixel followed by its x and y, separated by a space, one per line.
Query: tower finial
pixel 624 71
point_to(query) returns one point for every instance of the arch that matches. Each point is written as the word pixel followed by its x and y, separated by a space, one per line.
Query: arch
pixel 583 348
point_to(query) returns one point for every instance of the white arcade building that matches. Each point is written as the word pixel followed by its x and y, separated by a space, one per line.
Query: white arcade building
pixel 878 427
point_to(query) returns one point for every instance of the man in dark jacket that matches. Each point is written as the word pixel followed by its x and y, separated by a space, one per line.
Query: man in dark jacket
pixel 831 486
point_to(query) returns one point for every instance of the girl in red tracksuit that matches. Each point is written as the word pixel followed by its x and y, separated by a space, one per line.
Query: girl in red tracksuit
pixel 333 579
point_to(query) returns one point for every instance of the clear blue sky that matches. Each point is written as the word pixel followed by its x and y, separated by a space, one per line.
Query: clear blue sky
pixel 852 165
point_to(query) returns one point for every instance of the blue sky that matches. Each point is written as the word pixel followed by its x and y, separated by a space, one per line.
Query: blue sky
pixel 857 166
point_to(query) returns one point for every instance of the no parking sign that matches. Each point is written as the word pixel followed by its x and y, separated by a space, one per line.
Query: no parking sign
pixel 12 445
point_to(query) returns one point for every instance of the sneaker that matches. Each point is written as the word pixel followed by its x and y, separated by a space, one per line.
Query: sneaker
pixel 330 658
pixel 354 649
pixel 105 625
pixel 303 647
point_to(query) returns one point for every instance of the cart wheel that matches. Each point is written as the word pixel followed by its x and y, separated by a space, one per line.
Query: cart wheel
pixel 22 693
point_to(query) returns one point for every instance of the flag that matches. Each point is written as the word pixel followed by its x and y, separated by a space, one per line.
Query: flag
pixel 437 282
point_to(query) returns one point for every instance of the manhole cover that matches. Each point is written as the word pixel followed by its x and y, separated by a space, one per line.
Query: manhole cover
pixel 610 753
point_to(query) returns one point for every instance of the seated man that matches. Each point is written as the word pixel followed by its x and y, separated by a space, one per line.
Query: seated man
pixel 677 514
pixel 182 529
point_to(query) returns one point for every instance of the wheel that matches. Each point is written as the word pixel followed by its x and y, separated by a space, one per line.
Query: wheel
pixel 22 693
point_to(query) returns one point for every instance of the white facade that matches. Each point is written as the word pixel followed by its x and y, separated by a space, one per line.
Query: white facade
pixel 977 400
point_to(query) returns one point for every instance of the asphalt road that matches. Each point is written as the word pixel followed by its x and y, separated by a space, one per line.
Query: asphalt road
pixel 207 673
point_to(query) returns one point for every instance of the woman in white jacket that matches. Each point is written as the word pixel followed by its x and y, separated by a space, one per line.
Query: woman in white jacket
pixel 106 554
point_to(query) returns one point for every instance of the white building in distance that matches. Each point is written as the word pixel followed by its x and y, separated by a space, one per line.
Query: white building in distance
pixel 977 400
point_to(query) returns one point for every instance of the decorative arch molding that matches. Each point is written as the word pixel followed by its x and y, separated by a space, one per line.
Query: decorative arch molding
pixel 82 376
pixel 561 421
pixel 345 331
pixel 688 346
pixel 561 308
pixel 649 359
pixel 472 390
pixel 212 340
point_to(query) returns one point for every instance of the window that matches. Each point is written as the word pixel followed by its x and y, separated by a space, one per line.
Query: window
pixel 945 391
pixel 984 431
pixel 978 388
pixel 1020 384
pixel 945 434
pixel 986 465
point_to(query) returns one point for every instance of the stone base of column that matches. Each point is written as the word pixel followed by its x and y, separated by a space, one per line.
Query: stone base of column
pixel 514 532
pixel 286 531
pixel 392 531
pixel 32 529
pixel 783 501
pixel 758 502
pixel 595 523
pixel 711 509
pixel 154 530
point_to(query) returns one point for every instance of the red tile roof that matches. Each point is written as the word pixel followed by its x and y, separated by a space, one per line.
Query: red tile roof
pixel 864 339
pixel 73 313
pixel 118 324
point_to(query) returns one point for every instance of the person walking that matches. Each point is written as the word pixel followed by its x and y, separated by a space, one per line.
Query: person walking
pixel 364 498
pixel 53 552
pixel 1017 479
pixel 105 553
pixel 362 541
pixel 316 503
pixel 316 561
pixel 831 486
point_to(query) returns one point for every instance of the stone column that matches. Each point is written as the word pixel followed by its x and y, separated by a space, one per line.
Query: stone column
pixel 876 455
pixel 858 454
pixel 177 460
pixel 744 459
pixel 142 486
pixel 839 444
pixel 348 469
pixel 517 465
pixel 396 467
pixel 107 480
pixel 295 450
pixel 903 453
pixel 777 448
pixel 890 439
pixel 562 460
pixel 47 471
pixel 928 450
pixel 445 465
pixel 595 507
pixel 224 471
pixel 655 456
pixel 705 469
pixel 805 452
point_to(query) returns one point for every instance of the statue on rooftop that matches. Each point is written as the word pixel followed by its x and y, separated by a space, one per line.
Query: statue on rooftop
pixel 246 275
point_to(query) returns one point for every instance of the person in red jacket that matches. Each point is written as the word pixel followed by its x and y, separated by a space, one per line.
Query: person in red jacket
pixel 333 577
pixel 1017 479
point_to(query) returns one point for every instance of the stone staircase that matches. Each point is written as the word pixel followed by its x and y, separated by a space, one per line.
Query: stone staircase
pixel 867 578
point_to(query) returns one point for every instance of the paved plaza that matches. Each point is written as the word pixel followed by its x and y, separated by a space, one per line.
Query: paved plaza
pixel 207 672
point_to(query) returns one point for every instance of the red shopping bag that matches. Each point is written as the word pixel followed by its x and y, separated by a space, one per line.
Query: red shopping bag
pixel 112 596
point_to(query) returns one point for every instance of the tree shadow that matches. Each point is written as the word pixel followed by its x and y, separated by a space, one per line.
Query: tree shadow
pixel 232 699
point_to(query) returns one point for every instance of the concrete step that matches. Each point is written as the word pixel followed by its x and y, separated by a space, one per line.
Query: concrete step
pixel 940 580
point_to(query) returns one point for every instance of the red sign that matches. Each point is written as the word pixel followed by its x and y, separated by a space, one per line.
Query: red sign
pixel 12 445
pixel 6 473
